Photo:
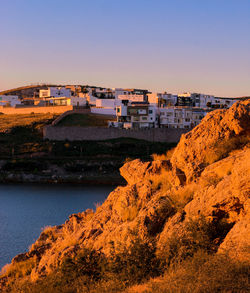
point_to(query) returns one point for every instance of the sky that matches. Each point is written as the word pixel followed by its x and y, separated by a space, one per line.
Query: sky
pixel 160 45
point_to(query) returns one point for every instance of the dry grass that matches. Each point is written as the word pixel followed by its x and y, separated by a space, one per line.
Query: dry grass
pixel 161 181
pixel 9 121
pixel 19 269
pixel 202 273
pixel 98 206
pixel 130 213
pixel 163 157
pixel 183 195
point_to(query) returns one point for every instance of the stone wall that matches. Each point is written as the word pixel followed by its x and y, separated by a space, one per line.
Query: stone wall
pixel 35 109
pixel 101 133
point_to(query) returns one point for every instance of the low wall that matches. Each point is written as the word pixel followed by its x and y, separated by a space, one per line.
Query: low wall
pixel 35 109
pixel 99 133
pixel 103 111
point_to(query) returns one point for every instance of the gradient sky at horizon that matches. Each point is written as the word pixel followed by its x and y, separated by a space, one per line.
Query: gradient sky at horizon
pixel 182 45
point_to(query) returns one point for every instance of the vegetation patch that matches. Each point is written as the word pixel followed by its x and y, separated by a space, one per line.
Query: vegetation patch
pixel 85 120
pixel 202 273
pixel 8 122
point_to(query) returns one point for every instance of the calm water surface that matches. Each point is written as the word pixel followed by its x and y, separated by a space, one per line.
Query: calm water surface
pixel 26 209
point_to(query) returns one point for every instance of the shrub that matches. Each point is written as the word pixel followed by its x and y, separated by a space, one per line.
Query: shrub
pixel 198 234
pixel 20 269
pixel 203 273
pixel 89 263
pixel 136 263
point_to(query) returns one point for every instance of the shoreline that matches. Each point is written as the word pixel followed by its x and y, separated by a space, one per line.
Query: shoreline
pixel 62 180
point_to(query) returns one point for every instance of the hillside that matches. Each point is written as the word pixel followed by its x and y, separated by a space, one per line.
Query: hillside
pixel 25 156
pixel 182 219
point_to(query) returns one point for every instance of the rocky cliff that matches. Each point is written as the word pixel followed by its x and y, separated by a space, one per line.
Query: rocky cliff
pixel 206 178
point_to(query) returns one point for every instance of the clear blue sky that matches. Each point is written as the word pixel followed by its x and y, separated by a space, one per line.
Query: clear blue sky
pixel 173 45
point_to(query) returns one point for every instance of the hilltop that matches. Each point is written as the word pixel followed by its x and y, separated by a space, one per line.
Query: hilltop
pixel 182 220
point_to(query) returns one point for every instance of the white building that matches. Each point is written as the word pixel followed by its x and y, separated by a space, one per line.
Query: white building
pixel 64 101
pixel 78 101
pixel 162 99
pixel 120 92
pixel 137 115
pixel 131 98
pixel 106 103
pixel 178 117
pixel 8 100
pixel 104 107
pixel 55 92
pixel 219 102
pixel 204 101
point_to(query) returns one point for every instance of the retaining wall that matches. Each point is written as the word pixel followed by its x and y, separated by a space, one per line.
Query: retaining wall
pixel 103 111
pixel 101 133
pixel 35 109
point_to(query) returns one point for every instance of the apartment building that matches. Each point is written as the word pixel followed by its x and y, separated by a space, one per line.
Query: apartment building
pixel 137 115
pixel 204 101
pixel 179 117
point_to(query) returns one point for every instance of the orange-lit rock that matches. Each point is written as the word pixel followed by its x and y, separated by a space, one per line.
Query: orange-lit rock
pixel 213 159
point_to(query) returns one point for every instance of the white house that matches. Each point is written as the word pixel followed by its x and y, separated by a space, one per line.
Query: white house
pixel 8 100
pixel 64 101
pixel 131 98
pixel 78 101
pixel 162 99
pixel 104 107
pixel 178 117
pixel 105 103
pixel 55 92
pixel 120 92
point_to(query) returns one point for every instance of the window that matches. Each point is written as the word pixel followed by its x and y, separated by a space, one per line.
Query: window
pixel 150 111
pixel 144 118
pixel 118 110
pixel 142 111
pixel 133 111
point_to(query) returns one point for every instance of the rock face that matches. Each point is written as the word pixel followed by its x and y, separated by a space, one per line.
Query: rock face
pixel 211 139
pixel 136 171
pixel 218 189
